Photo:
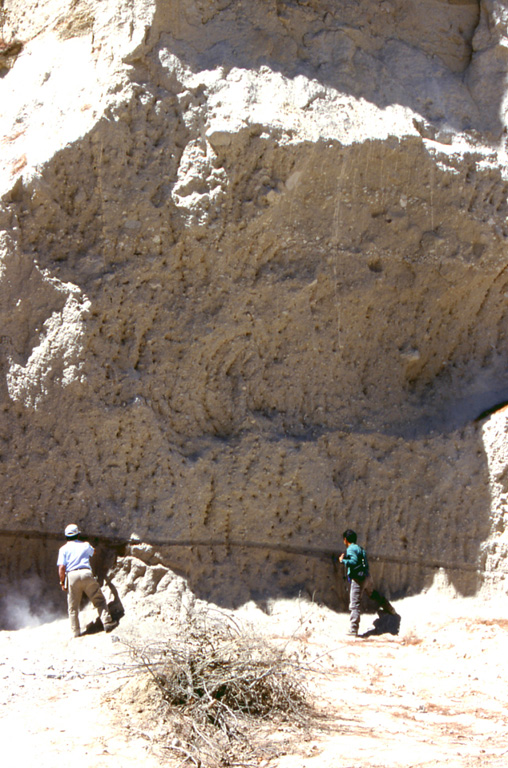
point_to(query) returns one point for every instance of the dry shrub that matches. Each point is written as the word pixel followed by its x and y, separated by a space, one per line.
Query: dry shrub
pixel 218 684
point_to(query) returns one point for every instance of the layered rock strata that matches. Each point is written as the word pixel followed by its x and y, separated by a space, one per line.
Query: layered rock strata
pixel 253 288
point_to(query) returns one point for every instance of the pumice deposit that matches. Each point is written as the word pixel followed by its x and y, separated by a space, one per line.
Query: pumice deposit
pixel 254 288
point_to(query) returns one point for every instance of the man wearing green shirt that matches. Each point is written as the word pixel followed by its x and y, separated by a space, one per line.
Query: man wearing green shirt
pixel 358 575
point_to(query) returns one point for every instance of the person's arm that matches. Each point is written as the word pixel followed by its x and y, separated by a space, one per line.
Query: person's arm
pixel 61 575
pixel 347 557
pixel 350 558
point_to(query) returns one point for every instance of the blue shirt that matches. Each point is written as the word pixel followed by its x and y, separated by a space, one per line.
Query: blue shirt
pixel 75 555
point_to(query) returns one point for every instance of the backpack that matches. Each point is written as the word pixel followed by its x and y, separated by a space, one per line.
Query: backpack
pixel 360 571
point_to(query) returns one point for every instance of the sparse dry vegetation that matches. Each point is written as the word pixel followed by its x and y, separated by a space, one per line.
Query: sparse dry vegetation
pixel 218 684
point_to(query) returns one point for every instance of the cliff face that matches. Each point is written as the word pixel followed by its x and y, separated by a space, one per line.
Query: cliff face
pixel 253 286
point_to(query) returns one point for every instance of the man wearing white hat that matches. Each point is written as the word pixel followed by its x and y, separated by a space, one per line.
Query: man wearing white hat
pixel 76 578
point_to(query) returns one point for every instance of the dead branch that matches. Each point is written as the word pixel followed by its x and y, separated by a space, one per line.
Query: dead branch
pixel 218 681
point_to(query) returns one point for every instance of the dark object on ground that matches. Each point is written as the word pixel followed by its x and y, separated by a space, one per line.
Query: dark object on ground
pixel 385 624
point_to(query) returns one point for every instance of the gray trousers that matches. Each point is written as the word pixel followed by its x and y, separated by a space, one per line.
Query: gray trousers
pixel 357 588
pixel 79 582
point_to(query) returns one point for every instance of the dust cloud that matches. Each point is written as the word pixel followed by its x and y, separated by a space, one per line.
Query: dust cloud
pixel 26 605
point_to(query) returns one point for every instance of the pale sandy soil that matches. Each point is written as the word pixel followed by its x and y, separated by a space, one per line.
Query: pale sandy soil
pixel 434 695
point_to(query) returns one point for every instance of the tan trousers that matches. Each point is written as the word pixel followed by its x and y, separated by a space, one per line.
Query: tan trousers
pixel 78 582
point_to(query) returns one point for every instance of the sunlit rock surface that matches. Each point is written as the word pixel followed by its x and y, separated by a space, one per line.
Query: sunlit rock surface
pixel 253 288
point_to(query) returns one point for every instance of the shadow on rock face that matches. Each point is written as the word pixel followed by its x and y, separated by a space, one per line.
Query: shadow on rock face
pixel 415 53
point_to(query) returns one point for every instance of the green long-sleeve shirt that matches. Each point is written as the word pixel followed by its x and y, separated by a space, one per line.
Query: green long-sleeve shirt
pixel 356 562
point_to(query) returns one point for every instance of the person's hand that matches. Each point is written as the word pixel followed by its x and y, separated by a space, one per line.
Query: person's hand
pixel 341 558
pixel 64 587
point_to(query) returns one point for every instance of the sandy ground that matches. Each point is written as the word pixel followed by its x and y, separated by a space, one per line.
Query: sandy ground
pixel 436 694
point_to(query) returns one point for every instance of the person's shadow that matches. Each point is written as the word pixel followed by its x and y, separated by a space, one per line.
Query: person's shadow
pixel 385 624
pixel 115 608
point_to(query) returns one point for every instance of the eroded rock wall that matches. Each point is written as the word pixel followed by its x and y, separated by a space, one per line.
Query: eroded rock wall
pixel 253 285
